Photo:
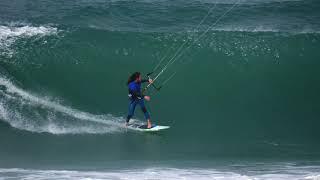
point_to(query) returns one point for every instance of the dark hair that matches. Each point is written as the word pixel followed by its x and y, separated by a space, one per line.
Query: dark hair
pixel 133 77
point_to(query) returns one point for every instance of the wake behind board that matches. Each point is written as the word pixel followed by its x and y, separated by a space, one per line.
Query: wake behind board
pixel 144 128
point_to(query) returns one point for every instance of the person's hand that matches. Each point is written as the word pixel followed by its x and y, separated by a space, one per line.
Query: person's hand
pixel 147 98
pixel 150 80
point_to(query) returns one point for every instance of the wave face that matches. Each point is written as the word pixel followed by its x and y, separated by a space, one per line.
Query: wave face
pixel 245 86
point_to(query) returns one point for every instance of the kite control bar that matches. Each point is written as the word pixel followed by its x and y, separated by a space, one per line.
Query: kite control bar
pixel 149 77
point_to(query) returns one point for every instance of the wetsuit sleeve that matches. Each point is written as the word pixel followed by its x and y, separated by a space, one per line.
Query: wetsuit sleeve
pixel 144 80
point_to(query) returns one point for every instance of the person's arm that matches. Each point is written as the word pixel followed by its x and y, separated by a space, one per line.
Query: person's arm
pixel 144 80
pixel 136 94
pixel 139 95
pixel 147 80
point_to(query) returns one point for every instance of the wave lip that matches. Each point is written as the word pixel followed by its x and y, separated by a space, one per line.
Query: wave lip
pixel 9 34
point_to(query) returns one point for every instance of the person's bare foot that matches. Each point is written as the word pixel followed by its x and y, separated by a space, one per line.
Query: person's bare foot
pixel 149 124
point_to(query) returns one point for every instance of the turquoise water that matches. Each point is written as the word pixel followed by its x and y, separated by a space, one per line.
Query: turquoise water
pixel 242 103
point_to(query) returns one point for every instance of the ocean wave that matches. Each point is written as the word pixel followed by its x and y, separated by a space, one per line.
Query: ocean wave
pixel 255 27
pixel 263 29
pixel 157 173
pixel 10 33
pixel 246 1
pixel 26 111
pixel 210 1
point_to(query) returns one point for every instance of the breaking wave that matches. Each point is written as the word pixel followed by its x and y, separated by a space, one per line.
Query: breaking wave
pixel 26 111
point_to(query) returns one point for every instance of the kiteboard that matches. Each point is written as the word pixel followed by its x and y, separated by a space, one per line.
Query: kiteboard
pixel 144 127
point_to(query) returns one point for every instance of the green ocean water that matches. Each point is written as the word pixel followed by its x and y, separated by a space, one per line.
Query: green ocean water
pixel 243 99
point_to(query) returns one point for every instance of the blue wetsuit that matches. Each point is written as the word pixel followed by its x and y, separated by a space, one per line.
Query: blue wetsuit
pixel 136 97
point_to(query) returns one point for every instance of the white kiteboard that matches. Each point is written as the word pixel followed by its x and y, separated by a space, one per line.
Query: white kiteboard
pixel 144 128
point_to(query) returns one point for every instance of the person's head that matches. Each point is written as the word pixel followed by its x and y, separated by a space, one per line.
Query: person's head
pixel 135 77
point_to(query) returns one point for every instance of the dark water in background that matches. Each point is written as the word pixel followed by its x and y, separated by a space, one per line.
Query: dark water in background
pixel 245 93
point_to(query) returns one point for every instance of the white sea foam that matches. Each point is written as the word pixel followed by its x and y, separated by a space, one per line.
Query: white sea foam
pixel 153 173
pixel 9 34
pixel 265 29
pixel 26 111
pixel 221 1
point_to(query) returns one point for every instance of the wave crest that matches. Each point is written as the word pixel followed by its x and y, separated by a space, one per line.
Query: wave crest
pixel 9 34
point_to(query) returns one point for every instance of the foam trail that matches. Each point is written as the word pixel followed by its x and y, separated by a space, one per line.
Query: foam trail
pixel 24 110
pixel 156 173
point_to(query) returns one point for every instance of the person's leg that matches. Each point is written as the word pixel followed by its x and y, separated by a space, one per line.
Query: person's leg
pixel 132 107
pixel 146 114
